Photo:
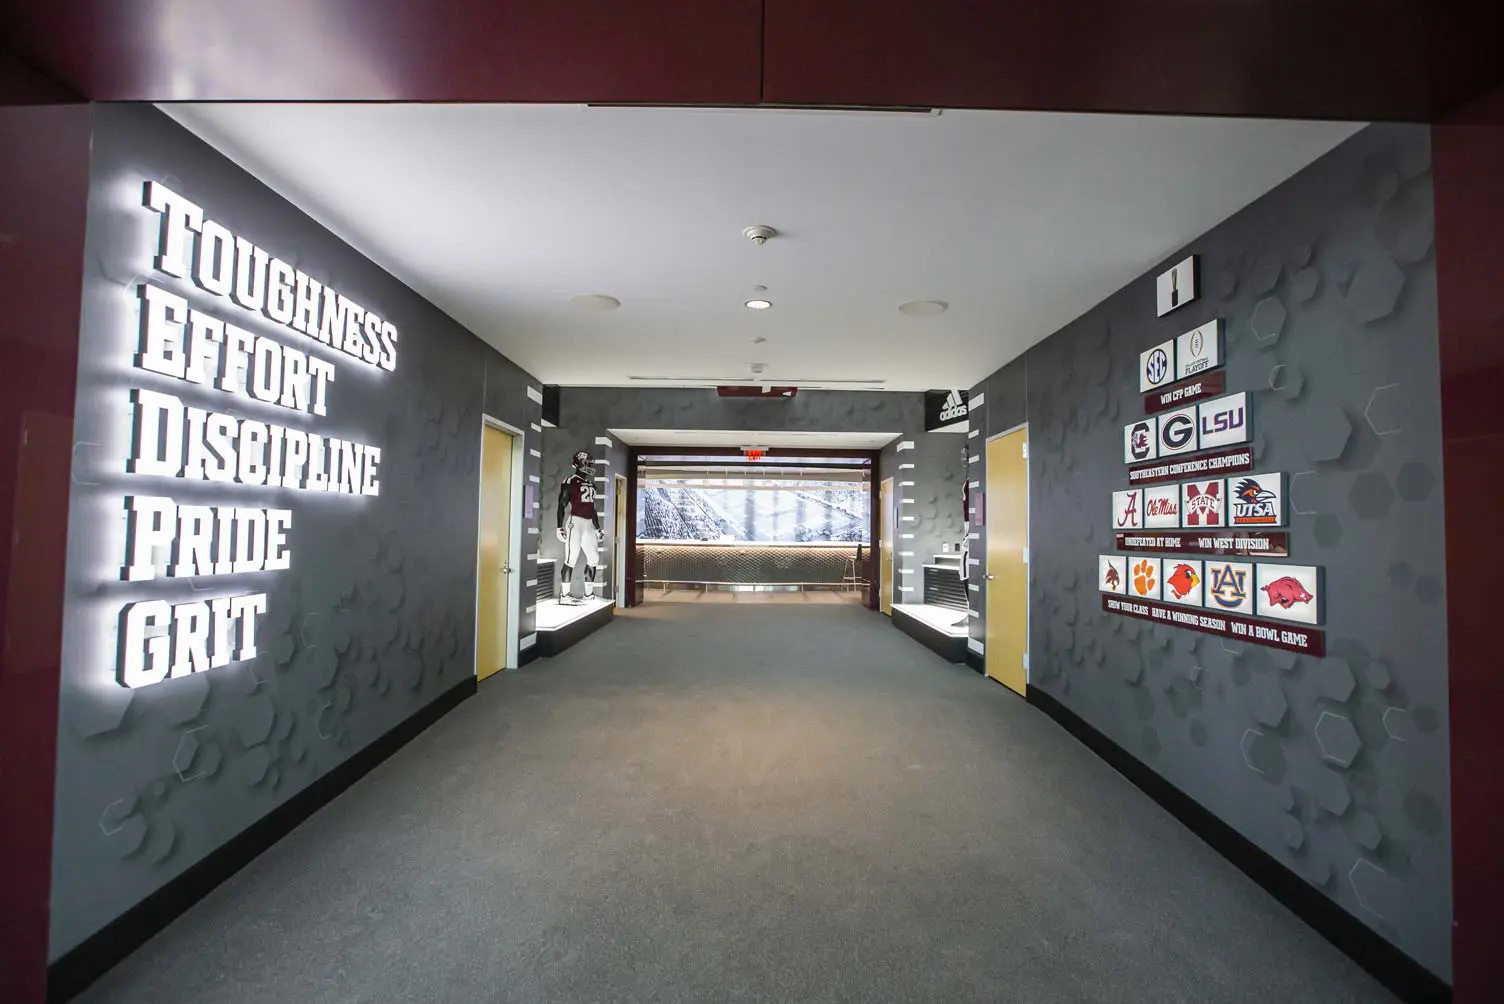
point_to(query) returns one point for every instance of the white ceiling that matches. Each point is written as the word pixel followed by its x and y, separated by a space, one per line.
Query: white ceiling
pixel 765 440
pixel 500 213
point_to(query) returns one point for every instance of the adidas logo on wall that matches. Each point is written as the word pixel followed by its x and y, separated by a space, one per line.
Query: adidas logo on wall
pixel 955 407
pixel 944 407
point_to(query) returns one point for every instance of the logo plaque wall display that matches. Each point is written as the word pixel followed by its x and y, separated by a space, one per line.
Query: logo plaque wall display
pixel 1143 578
pixel 1112 573
pixel 1128 510
pixel 1140 440
pixel 1229 587
pixel 1156 366
pixel 1225 421
pixel 1257 500
pixel 1162 507
pixel 1198 350
pixel 1289 593
pixel 1177 432
pixel 1183 583
pixel 1203 503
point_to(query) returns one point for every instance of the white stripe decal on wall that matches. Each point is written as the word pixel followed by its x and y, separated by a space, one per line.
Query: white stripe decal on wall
pixel 535 394
pixel 906 536
pixel 906 484
pixel 603 441
pixel 536 426
pixel 973 433
pixel 534 582
pixel 528 642
pixel 976 459
pixel 535 453
pixel 974 403
pixel 907 444
pixel 975 646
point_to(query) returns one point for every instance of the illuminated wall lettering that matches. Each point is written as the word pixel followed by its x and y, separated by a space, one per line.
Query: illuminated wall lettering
pixel 197 441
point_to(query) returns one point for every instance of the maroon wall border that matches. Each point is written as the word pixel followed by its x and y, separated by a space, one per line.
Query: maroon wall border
pixel 1468 159
pixel 44 189
pixel 1313 640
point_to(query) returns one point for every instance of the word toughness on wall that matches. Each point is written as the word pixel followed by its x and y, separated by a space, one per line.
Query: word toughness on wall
pixel 167 539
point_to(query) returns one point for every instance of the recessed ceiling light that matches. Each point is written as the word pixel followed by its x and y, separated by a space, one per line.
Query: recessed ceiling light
pixel 758 339
pixel 759 304
pixel 595 302
pixel 923 308
pixel 759 289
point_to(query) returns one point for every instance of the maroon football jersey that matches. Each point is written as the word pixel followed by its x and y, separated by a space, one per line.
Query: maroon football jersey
pixel 581 497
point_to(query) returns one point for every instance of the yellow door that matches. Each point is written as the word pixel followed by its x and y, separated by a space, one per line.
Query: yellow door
pixel 1007 518
pixel 619 545
pixel 494 574
pixel 885 572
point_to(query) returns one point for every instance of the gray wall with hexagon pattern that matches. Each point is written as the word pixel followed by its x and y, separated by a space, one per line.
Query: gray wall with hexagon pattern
pixel 374 620
pixel 1337 767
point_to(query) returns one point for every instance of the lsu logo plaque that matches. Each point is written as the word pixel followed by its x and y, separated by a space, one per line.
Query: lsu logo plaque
pixel 1203 503
pixel 1225 421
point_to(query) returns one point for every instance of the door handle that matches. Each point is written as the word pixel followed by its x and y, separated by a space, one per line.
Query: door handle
pixel 991 577
pixel 506 570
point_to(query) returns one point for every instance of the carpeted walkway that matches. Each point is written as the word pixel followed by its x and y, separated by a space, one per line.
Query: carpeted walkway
pixel 707 803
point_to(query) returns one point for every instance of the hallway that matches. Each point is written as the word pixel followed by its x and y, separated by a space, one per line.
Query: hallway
pixel 740 803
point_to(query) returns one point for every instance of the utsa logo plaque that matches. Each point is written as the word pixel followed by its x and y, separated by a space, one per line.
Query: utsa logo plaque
pixel 1112 573
pixel 1289 593
pixel 1257 500
pixel 1203 503
pixel 1141 440
pixel 1128 510
pixel 1229 587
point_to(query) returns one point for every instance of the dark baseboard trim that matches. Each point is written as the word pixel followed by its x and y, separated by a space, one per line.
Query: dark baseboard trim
pixel 527 655
pixel 947 647
pixel 551 643
pixel 71 974
pixel 1405 977
pixel 976 661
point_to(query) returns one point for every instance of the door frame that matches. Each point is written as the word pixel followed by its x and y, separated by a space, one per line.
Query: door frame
pixel 888 541
pixel 1028 548
pixel 619 543
pixel 514 536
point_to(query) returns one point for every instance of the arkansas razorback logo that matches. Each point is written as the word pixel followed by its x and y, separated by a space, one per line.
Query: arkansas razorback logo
pixel 1287 591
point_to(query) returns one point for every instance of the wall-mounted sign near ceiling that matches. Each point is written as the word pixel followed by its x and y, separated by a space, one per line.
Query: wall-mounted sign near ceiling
pixel 1177 287
pixel 945 410
pixel 1198 350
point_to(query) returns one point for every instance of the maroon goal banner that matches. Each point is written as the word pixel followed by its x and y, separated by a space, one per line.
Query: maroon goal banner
pixel 1244 543
pixel 1290 637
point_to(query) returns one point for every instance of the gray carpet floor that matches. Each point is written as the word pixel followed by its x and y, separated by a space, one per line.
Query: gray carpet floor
pixel 707 803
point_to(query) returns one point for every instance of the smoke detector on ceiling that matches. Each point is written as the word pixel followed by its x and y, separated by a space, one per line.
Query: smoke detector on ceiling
pixel 759 234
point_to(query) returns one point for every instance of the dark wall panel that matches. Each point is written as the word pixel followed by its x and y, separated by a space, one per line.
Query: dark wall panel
pixel 373 621
pixel 1337 767
pixel 44 185
pixel 396 50
pixel 1470 261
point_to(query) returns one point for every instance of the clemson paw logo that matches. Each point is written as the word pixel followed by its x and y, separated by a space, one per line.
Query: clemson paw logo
pixel 1143 578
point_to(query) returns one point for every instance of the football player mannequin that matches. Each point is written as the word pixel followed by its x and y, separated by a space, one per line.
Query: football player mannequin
pixel 579 527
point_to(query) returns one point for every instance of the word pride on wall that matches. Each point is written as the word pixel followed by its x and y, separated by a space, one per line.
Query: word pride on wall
pixel 228 374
